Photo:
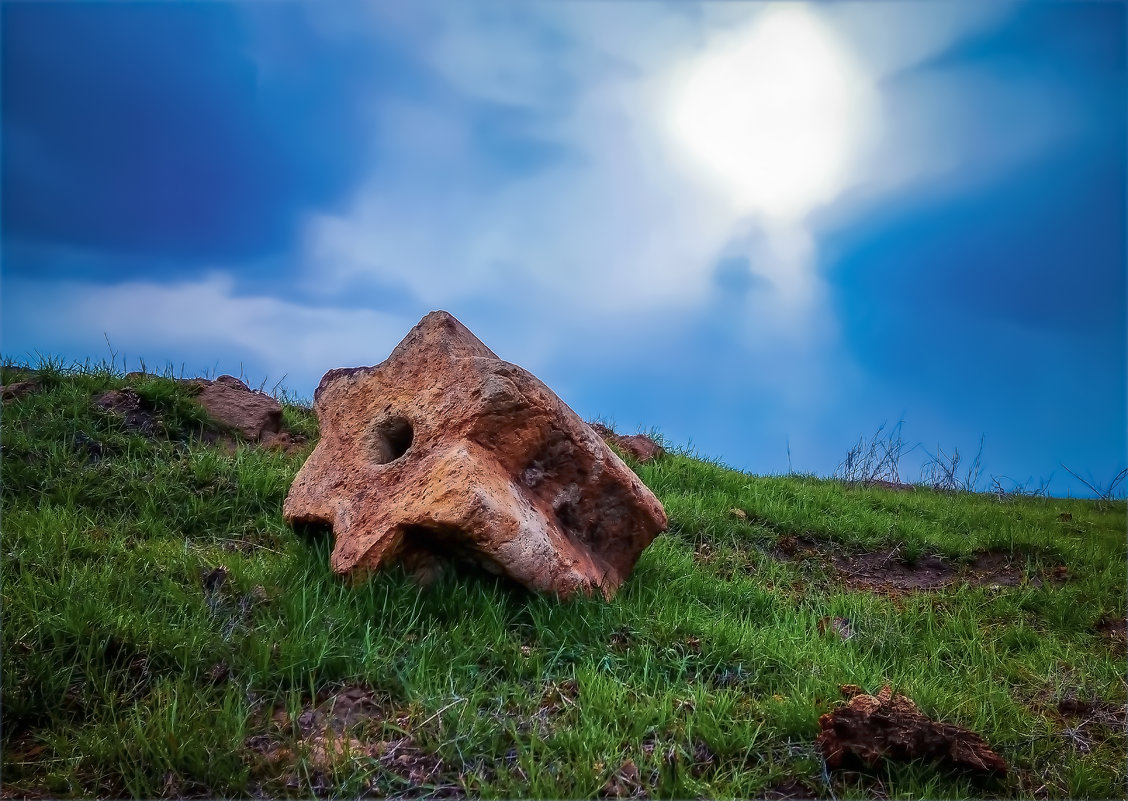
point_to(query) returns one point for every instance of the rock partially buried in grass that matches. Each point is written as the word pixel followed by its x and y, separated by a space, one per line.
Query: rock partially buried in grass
pixel 887 727
pixel 132 409
pixel 444 451
pixel 639 447
pixel 18 389
pixel 256 416
pixel 229 403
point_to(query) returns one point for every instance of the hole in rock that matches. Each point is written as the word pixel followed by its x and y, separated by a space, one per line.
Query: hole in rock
pixel 390 439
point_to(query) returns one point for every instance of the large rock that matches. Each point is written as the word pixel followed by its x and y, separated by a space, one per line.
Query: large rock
pixel 444 451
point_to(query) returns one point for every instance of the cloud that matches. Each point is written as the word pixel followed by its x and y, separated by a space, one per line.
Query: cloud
pixel 156 321
pixel 607 228
pixel 616 236
pixel 893 37
pixel 515 165
pixel 622 224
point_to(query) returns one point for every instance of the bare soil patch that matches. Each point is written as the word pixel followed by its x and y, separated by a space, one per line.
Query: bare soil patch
pixel 891 570
pixel 345 727
pixel 885 569
pixel 137 413
pixel 1089 723
pixel 1115 630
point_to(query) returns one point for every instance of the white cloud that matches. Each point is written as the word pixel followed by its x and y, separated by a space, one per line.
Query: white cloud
pixel 773 113
pixel 891 37
pixel 622 226
pixel 611 249
pixel 145 320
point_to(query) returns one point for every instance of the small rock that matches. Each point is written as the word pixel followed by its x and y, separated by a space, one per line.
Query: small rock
pixel 887 727
pixel 283 442
pixel 18 389
pixel 625 782
pixel 639 447
pixel 255 416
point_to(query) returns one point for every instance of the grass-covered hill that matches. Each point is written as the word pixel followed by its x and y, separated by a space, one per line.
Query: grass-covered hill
pixel 165 634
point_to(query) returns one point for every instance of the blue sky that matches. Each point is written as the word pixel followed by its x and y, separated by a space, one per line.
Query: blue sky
pixel 749 226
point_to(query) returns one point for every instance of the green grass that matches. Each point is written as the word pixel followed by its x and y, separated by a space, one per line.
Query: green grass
pixel 132 668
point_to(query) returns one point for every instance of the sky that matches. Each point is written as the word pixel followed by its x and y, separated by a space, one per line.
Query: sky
pixel 760 229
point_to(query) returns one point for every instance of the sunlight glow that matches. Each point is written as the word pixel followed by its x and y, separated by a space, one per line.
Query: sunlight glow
pixel 774 114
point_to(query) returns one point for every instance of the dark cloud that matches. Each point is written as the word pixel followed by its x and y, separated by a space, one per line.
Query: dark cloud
pixel 149 129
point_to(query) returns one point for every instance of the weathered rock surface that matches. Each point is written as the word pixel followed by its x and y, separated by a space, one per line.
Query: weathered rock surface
pixel 232 406
pixel 18 389
pixel 256 416
pixel 639 446
pixel 887 727
pixel 444 451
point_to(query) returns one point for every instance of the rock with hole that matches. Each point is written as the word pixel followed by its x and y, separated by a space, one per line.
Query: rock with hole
pixel 444 452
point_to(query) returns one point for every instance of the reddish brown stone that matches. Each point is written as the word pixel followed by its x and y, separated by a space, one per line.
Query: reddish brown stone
pixel 18 389
pixel 255 416
pixel 283 442
pixel 875 728
pixel 446 451
pixel 639 447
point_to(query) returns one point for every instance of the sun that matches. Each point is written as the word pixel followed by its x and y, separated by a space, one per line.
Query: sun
pixel 773 115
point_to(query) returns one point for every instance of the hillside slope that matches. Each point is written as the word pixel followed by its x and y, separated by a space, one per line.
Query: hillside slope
pixel 166 634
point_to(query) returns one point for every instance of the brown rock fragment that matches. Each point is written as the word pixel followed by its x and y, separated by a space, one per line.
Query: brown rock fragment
pixel 18 389
pixel 446 451
pixel 872 728
pixel 639 447
pixel 283 442
pixel 253 415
